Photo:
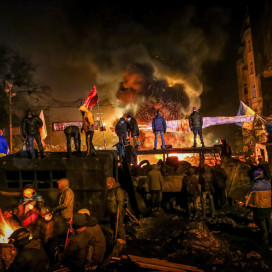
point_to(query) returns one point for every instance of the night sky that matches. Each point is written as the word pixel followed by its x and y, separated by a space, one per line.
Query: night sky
pixel 77 44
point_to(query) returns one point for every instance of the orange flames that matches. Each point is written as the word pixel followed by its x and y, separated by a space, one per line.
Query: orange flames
pixel 5 229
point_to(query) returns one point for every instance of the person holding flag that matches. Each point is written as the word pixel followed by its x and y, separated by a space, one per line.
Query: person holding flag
pixel 88 121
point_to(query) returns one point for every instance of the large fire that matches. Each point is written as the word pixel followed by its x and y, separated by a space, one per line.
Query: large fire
pixel 5 229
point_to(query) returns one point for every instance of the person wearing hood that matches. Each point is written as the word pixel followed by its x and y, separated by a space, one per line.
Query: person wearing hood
pixel 121 130
pixel 133 130
pixel 30 255
pixel 206 180
pixel 29 210
pixel 155 180
pixel 31 131
pixel 159 126
pixel 66 200
pixel 196 123
pixel 4 148
pixel 98 240
pixel 88 129
pixel 190 190
pixel 258 198
pixel 115 201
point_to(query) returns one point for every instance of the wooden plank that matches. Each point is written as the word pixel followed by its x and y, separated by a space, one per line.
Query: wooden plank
pixel 165 263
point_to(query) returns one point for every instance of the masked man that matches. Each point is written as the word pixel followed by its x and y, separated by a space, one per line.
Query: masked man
pixel 29 210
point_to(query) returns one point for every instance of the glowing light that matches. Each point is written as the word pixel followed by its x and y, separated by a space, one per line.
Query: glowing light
pixel 5 229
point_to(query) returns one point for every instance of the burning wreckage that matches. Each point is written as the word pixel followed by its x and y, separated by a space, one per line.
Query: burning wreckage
pixel 165 240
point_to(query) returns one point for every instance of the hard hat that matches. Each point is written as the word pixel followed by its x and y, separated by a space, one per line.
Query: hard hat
pixel 28 192
pixel 19 236
pixel 84 211
pixel 258 173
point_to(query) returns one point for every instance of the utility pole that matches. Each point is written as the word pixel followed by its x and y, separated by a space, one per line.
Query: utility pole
pixel 9 91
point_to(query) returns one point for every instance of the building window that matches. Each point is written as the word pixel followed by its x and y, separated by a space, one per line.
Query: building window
pixel 253 91
pixel 249 46
pixel 251 68
pixel 245 90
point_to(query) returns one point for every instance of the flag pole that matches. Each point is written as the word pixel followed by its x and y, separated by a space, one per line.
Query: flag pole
pixel 102 125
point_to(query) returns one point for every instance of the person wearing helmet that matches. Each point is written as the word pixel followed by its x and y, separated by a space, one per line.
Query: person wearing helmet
pixel 133 130
pixel 121 129
pixel 159 126
pixel 258 198
pixel 98 239
pixel 195 123
pixel 88 129
pixel 115 202
pixel 29 210
pixel 31 256
pixel 66 200
pixel 75 254
pixel 31 131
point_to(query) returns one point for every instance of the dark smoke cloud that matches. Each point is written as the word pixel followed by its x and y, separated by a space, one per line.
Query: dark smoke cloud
pixel 76 44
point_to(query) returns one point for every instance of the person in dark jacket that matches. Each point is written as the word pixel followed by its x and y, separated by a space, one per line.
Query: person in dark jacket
pixel 75 255
pixel 159 126
pixel 155 181
pixel 190 191
pixel 226 149
pixel 265 166
pixel 4 148
pixel 72 132
pixel 133 129
pixel 98 240
pixel 31 131
pixel 258 199
pixel 29 210
pixel 115 201
pixel 196 123
pixel 220 178
pixel 121 130
pixel 206 180
pixel 31 256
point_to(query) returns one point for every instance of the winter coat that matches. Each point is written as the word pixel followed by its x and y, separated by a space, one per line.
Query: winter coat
pixel 195 120
pixel 259 195
pixel 206 179
pixel 133 128
pixel 66 199
pixel 121 127
pixel 87 120
pixel 31 258
pixel 98 241
pixel 3 144
pixel 155 178
pixel 71 130
pixel 75 253
pixel 266 170
pixel 31 126
pixel 115 197
pixel 190 186
pixel 220 177
pixel 158 124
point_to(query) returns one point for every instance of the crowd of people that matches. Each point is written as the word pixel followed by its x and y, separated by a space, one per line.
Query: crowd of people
pixel 49 238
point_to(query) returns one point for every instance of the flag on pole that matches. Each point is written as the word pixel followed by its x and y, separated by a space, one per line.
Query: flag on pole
pixel 43 130
pixel 92 99
pixel 245 110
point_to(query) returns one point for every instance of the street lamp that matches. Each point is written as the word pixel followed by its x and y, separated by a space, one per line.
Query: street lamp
pixel 9 91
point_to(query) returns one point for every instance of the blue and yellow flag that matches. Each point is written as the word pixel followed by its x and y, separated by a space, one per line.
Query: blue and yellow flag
pixel 245 110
